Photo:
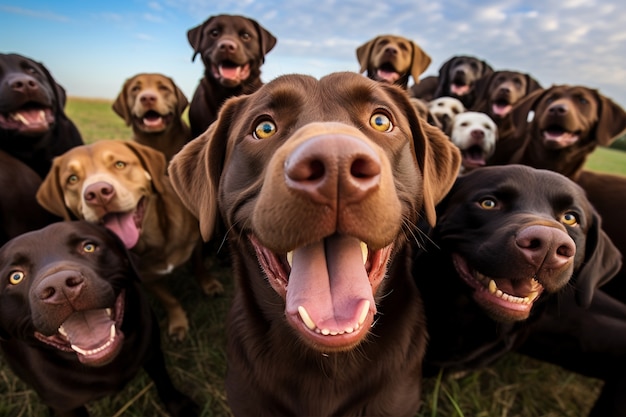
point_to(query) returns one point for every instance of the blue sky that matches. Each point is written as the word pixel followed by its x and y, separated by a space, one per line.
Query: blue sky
pixel 91 47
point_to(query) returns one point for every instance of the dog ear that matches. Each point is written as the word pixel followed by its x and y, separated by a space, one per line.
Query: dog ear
pixel 532 85
pixel 481 92
pixel 194 36
pixel 601 263
pixel 58 91
pixel 266 39
pixel 487 69
pixel 420 61
pixel 363 54
pixel 611 120
pixel 519 114
pixel 50 193
pixel 181 99
pixel 195 171
pixel 153 162
pixel 120 105
pixel 444 78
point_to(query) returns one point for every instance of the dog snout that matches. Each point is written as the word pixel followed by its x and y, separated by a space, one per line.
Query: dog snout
pixel 23 84
pixel 391 51
pixel 545 246
pixel 227 46
pixel 99 193
pixel 148 98
pixel 558 109
pixel 60 287
pixel 477 134
pixel 332 167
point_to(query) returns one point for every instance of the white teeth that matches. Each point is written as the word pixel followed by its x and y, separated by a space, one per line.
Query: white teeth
pixel 306 319
pixel 19 118
pixel 109 312
pixel 364 312
pixel 492 286
pixel 290 258
pixel 96 350
pixel 62 331
pixel 364 252
pixel 42 115
pixel 310 324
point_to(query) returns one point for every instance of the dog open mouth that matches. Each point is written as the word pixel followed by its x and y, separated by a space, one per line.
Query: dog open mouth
pixel 94 335
pixel 473 156
pixel 127 225
pixel 328 288
pixel 152 121
pixel 387 73
pixel 501 107
pixel 230 74
pixel 30 119
pixel 505 299
pixel 557 137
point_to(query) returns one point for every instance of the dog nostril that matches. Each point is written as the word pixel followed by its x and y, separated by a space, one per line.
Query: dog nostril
pixel 47 293
pixel 364 168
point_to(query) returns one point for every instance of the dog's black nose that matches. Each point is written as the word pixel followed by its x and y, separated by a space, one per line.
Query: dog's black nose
pixel 60 287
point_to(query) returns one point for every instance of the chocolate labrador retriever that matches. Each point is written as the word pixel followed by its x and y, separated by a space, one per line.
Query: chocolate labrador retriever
pixel 74 323
pixel 33 124
pixel 153 105
pixel 124 186
pixel 320 183
pixel 392 59
pixel 232 49
pixel 510 242
pixel 557 128
pixel 497 93
pixel 457 78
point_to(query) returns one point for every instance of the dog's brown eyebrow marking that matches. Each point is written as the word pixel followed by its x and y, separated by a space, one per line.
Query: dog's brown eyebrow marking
pixel 284 98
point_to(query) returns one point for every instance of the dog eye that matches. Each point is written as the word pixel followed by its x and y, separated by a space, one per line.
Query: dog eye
pixel 381 122
pixel 120 164
pixel 569 219
pixel 15 277
pixel 245 36
pixel 487 204
pixel 89 247
pixel 214 33
pixel 72 179
pixel 264 130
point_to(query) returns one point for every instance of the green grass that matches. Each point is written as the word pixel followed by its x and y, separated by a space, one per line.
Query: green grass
pixel 515 386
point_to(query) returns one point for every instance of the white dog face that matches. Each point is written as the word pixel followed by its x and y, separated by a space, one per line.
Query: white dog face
pixel 475 134
pixel 443 110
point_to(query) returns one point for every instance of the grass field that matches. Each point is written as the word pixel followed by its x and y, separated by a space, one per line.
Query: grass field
pixel 515 387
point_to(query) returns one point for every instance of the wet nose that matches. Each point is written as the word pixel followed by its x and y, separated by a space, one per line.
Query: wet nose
pixel 546 246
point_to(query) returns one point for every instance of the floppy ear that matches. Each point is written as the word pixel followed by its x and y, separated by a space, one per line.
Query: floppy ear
pixel 420 61
pixel 194 36
pixel 120 105
pixel 266 39
pixel 487 69
pixel 481 91
pixel 602 261
pixel 444 78
pixel 195 171
pixel 152 161
pixel 519 115
pixel 58 91
pixel 611 121
pixel 50 193
pixel 181 98
pixel 363 54
pixel 532 84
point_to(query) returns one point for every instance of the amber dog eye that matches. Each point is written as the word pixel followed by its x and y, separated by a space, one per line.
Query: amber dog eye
pixel 569 219
pixel 488 204
pixel 264 130
pixel 15 277
pixel 72 179
pixel 120 164
pixel 89 247
pixel 381 122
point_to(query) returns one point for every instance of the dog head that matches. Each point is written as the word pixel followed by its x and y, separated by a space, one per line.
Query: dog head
pixel 458 75
pixel 475 134
pixel 31 101
pixel 232 48
pixel 323 180
pixel 109 182
pixel 392 59
pixel 515 233
pixel 150 103
pixel 443 110
pixel 498 92
pixel 65 287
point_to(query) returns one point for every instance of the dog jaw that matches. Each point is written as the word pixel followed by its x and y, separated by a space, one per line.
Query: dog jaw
pixel 229 74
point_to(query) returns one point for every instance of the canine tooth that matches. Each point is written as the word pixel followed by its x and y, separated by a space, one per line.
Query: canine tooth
pixel 364 311
pixel 112 334
pixel 42 115
pixel 109 312
pixel 492 286
pixel 306 319
pixel 62 330
pixel 290 258
pixel 364 251
pixel 19 118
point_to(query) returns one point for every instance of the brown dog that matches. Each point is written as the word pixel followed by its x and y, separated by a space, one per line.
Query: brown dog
pixel 124 186
pixel 557 128
pixel 153 105
pixel 320 184
pixel 392 59
pixel 497 93
pixel 232 49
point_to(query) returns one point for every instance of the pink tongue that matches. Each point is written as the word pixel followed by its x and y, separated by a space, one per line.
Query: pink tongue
pixel 330 281
pixel 230 73
pixel 153 121
pixel 501 110
pixel 123 225
pixel 389 76
pixel 88 329
pixel 459 90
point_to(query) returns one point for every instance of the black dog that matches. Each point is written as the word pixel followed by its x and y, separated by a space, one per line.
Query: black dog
pixel 74 323
pixel 514 241
pixel 33 124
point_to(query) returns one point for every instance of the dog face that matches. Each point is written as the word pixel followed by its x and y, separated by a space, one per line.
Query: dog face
pixel 317 180
pixel 537 231
pixel 232 48
pixel 30 99
pixel 65 288
pixel 475 134
pixel 443 111
pixel 150 102
pixel 502 89
pixel 392 59
pixel 108 182
pixel 461 72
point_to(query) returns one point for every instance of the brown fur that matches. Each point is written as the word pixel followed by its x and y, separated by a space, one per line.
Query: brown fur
pixel 153 105
pixel 127 173
pixel 324 176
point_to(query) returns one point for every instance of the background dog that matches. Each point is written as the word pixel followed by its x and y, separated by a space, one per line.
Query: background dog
pixel 442 111
pixel 33 124
pixel 319 199
pixel 153 105
pixel 232 49
pixel 124 186
pixel 74 322
pixel 475 134
pixel 392 59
